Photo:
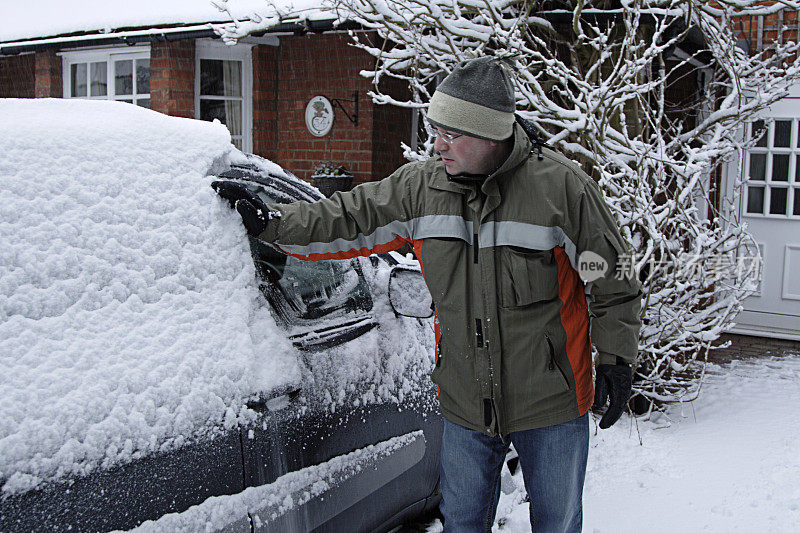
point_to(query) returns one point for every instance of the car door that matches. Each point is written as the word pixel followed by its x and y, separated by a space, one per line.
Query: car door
pixel 358 466
pixel 122 497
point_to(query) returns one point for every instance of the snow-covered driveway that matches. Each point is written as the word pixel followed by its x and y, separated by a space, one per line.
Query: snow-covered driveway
pixel 730 461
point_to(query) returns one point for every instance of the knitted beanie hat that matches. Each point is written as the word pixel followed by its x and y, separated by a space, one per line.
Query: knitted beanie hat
pixel 476 99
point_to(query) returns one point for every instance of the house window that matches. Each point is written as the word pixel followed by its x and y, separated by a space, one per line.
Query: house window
pixel 772 169
pixel 223 88
pixel 108 75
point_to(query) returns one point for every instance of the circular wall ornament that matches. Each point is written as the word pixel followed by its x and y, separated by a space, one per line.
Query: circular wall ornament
pixel 319 116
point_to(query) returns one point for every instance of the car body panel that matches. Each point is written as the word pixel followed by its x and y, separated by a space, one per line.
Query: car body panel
pixel 123 496
pixel 288 430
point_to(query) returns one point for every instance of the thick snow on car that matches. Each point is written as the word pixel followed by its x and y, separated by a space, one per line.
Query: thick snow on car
pixel 162 371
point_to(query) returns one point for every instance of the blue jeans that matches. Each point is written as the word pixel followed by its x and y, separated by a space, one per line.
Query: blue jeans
pixel 553 461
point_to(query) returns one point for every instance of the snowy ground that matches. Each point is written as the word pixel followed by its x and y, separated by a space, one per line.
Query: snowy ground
pixel 730 461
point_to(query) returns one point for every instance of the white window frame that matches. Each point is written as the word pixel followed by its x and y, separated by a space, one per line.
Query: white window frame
pixel 793 151
pixel 216 49
pixel 107 55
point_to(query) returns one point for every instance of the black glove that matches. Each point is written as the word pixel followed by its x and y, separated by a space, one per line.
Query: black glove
pixel 612 383
pixel 253 211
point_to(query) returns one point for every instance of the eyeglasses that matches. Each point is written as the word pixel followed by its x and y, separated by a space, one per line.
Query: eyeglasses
pixel 447 138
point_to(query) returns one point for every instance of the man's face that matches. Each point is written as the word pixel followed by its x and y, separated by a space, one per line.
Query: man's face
pixel 467 155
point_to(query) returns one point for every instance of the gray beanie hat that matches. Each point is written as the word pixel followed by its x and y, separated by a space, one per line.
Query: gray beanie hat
pixel 476 99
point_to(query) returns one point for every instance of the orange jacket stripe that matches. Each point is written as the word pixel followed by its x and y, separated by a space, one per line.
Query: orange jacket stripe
pixel 390 246
pixel 575 319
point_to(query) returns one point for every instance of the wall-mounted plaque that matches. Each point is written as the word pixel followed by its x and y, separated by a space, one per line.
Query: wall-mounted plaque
pixel 319 116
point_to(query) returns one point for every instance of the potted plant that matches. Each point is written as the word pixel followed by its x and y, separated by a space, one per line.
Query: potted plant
pixel 329 178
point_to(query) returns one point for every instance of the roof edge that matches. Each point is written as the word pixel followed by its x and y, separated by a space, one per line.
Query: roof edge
pixel 159 34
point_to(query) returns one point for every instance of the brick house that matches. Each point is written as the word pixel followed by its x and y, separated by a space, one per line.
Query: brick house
pixel 260 88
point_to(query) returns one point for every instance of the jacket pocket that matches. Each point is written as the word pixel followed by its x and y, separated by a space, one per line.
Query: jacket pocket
pixel 555 365
pixel 527 276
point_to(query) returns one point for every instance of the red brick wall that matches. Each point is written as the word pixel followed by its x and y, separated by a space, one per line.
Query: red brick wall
pixel 782 26
pixel 172 78
pixel 49 75
pixel 265 101
pixel 747 346
pixel 327 65
pixel 17 76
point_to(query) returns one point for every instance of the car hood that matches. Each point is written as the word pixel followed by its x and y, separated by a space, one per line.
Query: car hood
pixel 130 319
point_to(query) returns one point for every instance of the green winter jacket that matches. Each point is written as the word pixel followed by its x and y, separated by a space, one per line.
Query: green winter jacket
pixel 500 259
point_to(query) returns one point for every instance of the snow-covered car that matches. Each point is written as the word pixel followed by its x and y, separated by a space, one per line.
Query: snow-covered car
pixel 162 371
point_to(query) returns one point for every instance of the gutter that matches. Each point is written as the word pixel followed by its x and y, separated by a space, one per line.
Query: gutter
pixel 98 39
pixel 151 35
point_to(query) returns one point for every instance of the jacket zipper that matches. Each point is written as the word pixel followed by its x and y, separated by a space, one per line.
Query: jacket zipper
pixel 489 407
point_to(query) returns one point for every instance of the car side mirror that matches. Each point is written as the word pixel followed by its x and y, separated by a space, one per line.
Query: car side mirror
pixel 408 293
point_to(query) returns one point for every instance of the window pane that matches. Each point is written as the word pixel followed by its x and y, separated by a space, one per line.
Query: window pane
pixel 758 167
pixel 777 200
pixel 797 168
pixel 307 290
pixel 755 199
pixel 237 142
pixel 220 78
pixel 99 78
pixel 143 102
pixel 796 209
pixel 229 112
pixel 780 167
pixel 756 129
pixel 123 77
pixel 212 109
pixel 78 79
pixel 143 77
pixel 783 133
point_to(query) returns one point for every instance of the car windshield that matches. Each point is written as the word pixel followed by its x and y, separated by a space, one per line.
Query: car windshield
pixel 301 291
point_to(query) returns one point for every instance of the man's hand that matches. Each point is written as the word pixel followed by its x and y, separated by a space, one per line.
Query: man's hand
pixel 253 211
pixel 612 383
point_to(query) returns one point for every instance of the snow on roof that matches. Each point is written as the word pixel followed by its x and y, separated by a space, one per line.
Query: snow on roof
pixel 47 18
pixel 129 313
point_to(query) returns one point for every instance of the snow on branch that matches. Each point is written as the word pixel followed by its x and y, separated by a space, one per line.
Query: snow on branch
pixel 275 12
pixel 600 84
pixel 649 96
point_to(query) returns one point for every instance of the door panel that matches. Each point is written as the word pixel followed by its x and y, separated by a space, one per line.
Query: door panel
pixel 122 497
pixel 361 499
pixel 770 206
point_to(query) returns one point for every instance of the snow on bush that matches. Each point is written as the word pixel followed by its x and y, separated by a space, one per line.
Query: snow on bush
pixel 599 82
pixel 129 315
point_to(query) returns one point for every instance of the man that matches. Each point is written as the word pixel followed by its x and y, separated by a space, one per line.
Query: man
pixel 499 227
